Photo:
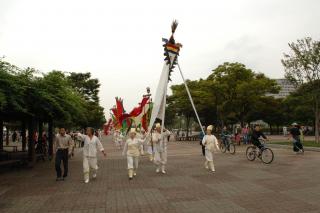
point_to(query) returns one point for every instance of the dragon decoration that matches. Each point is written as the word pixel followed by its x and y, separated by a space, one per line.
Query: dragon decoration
pixel 138 117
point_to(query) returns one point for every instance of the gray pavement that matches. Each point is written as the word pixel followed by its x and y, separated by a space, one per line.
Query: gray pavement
pixel 289 184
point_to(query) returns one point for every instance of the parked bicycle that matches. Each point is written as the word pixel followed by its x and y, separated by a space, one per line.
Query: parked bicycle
pixel 265 154
pixel 227 145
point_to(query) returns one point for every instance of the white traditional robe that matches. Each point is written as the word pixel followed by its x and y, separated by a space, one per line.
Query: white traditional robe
pixel 211 144
pixel 160 147
pixel 90 148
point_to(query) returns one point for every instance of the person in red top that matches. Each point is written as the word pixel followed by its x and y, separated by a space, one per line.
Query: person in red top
pixel 245 134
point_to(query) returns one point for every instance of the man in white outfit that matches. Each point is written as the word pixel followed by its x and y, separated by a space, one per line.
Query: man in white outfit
pixel 91 145
pixel 160 148
pixel 211 144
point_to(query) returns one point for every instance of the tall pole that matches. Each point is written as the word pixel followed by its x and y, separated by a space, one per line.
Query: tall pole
pixel 190 98
pixel 164 107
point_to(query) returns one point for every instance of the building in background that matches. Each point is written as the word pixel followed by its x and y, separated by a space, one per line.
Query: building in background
pixel 286 87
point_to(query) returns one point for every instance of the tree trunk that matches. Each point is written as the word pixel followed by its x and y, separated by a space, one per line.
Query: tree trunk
pixel 31 147
pixel 1 135
pixel 270 129
pixel 317 117
pixel 40 129
pixel 188 123
pixel 24 139
pixel 50 138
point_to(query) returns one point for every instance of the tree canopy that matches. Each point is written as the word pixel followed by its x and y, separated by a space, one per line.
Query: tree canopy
pixel 302 67
pixel 66 99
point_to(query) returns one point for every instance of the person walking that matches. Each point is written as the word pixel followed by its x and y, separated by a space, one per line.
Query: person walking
pixel 295 134
pixel 245 134
pixel 90 161
pixel 201 135
pixel 62 146
pixel 131 149
pixel 159 141
pixel 211 144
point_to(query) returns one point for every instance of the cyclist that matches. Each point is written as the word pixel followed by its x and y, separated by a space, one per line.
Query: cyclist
pixel 256 134
pixel 224 136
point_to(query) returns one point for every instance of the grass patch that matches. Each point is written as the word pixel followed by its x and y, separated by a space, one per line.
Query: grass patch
pixel 305 143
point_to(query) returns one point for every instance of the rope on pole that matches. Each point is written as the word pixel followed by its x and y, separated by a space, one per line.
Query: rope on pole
pixel 190 98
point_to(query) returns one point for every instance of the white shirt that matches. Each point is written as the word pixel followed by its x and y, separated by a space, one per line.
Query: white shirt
pixel 211 142
pixel 91 146
pixel 159 144
pixel 131 147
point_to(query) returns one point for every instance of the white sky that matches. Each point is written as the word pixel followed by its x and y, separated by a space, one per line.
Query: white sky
pixel 119 41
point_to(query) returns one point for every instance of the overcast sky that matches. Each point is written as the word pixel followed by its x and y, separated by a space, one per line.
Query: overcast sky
pixel 119 41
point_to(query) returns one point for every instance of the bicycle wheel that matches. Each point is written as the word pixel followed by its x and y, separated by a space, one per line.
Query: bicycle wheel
pixel 267 156
pixel 251 153
pixel 232 148
pixel 223 148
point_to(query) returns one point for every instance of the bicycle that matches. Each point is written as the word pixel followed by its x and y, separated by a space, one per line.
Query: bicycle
pixel 227 144
pixel 265 154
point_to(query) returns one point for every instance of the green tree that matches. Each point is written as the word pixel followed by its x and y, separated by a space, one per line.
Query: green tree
pixel 302 66
pixel 239 89
pixel 89 89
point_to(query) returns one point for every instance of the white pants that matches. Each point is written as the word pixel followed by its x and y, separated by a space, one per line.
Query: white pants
pixel 89 164
pixel 160 158
pixel 149 150
pixel 133 162
pixel 141 150
pixel 209 155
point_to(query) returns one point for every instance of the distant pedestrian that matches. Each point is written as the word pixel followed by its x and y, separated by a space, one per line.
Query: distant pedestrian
pixel 285 131
pixel 245 134
pixel 296 142
pixel 62 146
pixel 14 136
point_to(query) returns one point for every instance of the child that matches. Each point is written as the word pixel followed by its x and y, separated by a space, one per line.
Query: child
pixel 211 144
pixel 132 150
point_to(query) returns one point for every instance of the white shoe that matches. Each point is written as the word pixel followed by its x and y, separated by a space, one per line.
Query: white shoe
pixel 94 176
pixel 86 181
pixel 206 165
pixel 157 170
pixel 163 170
pixel 134 174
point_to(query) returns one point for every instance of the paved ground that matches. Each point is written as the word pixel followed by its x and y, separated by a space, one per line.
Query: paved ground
pixel 290 184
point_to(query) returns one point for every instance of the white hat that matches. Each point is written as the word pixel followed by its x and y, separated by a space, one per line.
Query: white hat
pixel 294 124
pixel 158 125
pixel 210 127
pixel 133 130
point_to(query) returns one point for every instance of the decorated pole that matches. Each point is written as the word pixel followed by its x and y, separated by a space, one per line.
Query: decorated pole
pixel 171 51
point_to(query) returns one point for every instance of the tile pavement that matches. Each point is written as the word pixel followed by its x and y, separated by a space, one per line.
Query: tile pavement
pixel 290 184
